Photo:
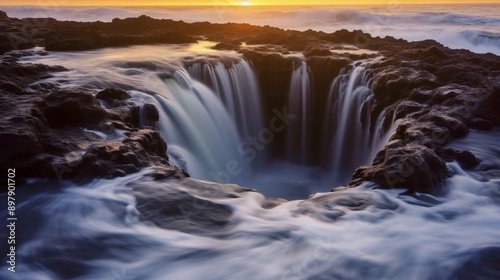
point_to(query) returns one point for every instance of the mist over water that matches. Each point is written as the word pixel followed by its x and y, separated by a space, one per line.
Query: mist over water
pixel 80 232
pixel 212 118
pixel 210 111
pixel 208 102
pixel 468 26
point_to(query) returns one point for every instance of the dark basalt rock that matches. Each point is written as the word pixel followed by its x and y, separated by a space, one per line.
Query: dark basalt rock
pixel 74 36
pixel 17 78
pixel 345 36
pixel 480 124
pixel 413 167
pixel 394 84
pixel 161 173
pixel 42 132
pixel 186 205
pixel 324 69
pixel 147 140
pixel 318 52
pixel 3 15
pixel 73 107
pixel 436 93
pixel 439 94
pixel 10 87
pixel 71 40
pixel 227 46
pixel 456 127
pixel 149 115
pixel 426 134
pixel 127 113
pixel 274 73
pixel 466 158
pixel 110 159
pixel 111 94
pixel 406 107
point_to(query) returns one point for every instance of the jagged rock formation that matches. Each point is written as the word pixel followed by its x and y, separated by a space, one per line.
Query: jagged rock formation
pixel 436 93
pixel 63 133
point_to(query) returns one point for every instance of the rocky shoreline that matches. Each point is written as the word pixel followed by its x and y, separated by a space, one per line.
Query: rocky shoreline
pixel 49 132
pixel 437 94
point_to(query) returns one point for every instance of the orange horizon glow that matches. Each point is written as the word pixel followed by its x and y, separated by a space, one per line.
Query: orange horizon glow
pixel 122 3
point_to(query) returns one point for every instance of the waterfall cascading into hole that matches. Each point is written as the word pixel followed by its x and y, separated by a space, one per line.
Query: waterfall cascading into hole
pixel 211 117
pixel 349 140
pixel 238 88
pixel 201 134
pixel 299 102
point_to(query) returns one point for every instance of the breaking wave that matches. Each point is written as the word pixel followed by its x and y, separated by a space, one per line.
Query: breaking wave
pixel 469 27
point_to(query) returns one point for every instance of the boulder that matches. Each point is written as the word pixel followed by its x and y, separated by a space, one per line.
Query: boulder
pixel 466 158
pixel 456 127
pixel 149 115
pixel 111 94
pixel 426 134
pixel 3 15
pixel 73 107
pixel 186 205
pixel 413 167
pixel 108 159
pixel 148 143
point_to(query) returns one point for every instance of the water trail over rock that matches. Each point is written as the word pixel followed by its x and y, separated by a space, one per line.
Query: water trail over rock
pixel 238 88
pixel 350 141
pixel 299 104
pixel 200 132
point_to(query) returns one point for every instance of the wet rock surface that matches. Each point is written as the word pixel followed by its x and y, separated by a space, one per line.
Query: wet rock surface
pixel 111 94
pixel 438 95
pixel 187 205
pixel 65 133
pixel 406 166
pixel 435 94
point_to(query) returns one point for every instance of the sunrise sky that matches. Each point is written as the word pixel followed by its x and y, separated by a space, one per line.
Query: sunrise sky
pixel 52 3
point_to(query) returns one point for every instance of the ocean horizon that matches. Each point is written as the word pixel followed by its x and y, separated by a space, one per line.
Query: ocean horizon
pixel 458 26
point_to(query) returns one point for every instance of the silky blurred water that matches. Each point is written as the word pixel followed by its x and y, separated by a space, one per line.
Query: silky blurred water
pixel 137 228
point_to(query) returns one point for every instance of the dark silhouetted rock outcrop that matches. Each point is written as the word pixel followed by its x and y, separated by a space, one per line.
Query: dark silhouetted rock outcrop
pixel 111 94
pixel 413 167
pixel 73 107
pixel 44 130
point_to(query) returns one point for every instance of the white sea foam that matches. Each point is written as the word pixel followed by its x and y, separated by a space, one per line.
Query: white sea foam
pixel 97 231
pixel 473 27
pixel 361 233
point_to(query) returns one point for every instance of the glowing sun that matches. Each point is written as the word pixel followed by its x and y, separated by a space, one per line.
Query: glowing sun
pixel 245 3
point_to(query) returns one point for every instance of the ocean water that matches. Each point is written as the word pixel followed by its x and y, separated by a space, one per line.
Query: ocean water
pixel 134 228
pixel 460 26
pixel 99 231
